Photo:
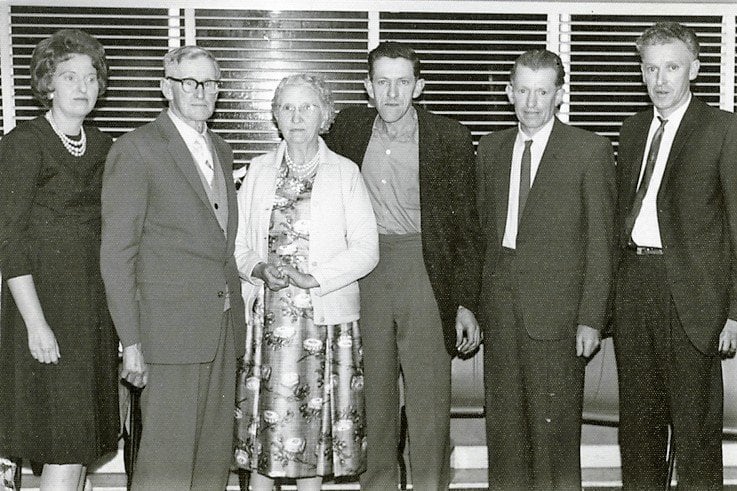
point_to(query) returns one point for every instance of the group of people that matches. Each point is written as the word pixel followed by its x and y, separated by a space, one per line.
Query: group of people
pixel 535 244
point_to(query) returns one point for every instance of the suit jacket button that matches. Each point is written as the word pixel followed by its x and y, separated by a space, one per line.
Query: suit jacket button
pixel 221 294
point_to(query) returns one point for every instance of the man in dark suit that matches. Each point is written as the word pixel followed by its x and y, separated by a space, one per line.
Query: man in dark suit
pixel 169 222
pixel 546 202
pixel 417 305
pixel 676 292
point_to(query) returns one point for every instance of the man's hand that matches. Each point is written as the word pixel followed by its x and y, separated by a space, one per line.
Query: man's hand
pixel 587 340
pixel 273 277
pixel 728 339
pixel 42 343
pixel 135 370
pixel 468 332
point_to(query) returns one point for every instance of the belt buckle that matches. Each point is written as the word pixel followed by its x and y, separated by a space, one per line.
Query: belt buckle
pixel 648 251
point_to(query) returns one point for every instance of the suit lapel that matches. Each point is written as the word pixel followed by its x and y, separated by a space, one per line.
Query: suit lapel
pixel 183 160
pixel 639 153
pixel 224 158
pixel 549 162
pixel 428 153
pixel 689 123
pixel 631 162
pixel 501 175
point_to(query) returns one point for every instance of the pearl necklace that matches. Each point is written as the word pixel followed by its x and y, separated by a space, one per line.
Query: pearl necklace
pixel 305 169
pixel 74 147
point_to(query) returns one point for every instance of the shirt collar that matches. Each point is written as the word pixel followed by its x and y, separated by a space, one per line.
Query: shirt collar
pixel 541 137
pixel 674 120
pixel 407 127
pixel 188 133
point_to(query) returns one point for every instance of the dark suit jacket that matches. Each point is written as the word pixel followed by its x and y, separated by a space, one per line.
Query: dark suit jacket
pixel 565 241
pixel 450 236
pixel 165 260
pixel 697 214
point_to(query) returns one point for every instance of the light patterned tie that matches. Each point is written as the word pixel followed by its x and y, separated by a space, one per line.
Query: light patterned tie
pixel 204 158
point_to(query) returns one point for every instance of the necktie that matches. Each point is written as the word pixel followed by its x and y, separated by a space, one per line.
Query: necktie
pixel 524 179
pixel 652 156
pixel 203 157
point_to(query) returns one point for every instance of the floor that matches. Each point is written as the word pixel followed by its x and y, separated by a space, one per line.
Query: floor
pixel 599 461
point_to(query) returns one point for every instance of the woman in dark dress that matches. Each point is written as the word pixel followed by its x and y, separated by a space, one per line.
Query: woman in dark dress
pixel 58 350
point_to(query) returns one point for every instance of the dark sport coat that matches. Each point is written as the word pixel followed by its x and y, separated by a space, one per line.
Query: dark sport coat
pixel 450 234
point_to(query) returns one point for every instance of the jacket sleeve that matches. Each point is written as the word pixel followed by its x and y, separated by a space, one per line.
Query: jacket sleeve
pixel 598 197
pixel 124 204
pixel 362 241
pixel 249 216
pixel 467 241
pixel 728 177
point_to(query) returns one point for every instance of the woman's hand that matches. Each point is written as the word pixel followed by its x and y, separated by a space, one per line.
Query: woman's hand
pixel 272 276
pixel 41 339
pixel 42 343
pixel 297 278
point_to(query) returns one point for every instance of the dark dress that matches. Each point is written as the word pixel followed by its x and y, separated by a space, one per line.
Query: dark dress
pixel 50 228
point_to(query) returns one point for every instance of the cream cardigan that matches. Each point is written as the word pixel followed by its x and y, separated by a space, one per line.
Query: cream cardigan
pixel 343 238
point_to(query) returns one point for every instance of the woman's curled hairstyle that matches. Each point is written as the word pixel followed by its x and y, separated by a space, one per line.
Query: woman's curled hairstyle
pixel 57 49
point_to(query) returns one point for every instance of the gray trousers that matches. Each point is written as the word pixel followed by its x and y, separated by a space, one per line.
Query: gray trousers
pixel 402 332
pixel 187 415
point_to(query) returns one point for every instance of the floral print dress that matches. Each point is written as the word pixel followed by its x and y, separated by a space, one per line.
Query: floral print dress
pixel 300 403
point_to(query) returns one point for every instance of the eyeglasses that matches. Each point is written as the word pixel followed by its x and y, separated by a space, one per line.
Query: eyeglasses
pixel 305 109
pixel 190 85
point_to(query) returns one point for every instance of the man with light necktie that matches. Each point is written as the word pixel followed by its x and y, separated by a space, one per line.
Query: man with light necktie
pixel 676 290
pixel 169 220
pixel 546 202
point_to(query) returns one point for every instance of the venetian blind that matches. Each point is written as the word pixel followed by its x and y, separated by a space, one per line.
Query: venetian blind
pixel 605 80
pixel 256 49
pixel 466 58
pixel 135 42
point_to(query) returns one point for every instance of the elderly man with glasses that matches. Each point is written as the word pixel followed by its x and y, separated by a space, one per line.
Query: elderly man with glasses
pixel 169 221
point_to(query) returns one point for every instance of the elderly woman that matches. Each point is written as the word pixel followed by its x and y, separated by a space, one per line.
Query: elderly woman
pixel 58 350
pixel 307 234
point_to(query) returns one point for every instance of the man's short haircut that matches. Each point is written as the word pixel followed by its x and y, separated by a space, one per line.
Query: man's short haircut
pixel 537 59
pixel 393 49
pixel 174 57
pixel 666 33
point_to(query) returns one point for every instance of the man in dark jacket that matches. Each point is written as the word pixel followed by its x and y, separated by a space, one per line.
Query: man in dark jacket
pixel 676 294
pixel 417 305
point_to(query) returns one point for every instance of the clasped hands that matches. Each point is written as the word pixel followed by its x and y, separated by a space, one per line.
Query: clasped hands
pixel 278 277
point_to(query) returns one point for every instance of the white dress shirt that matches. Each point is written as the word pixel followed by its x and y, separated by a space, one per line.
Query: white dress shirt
pixel 646 230
pixel 539 142
pixel 198 145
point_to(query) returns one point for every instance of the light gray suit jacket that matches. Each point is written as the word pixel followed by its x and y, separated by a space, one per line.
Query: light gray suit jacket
pixel 166 263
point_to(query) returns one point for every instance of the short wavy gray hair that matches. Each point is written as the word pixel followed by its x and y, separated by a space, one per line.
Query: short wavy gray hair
pixel 316 83
pixel 174 57
pixel 668 32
